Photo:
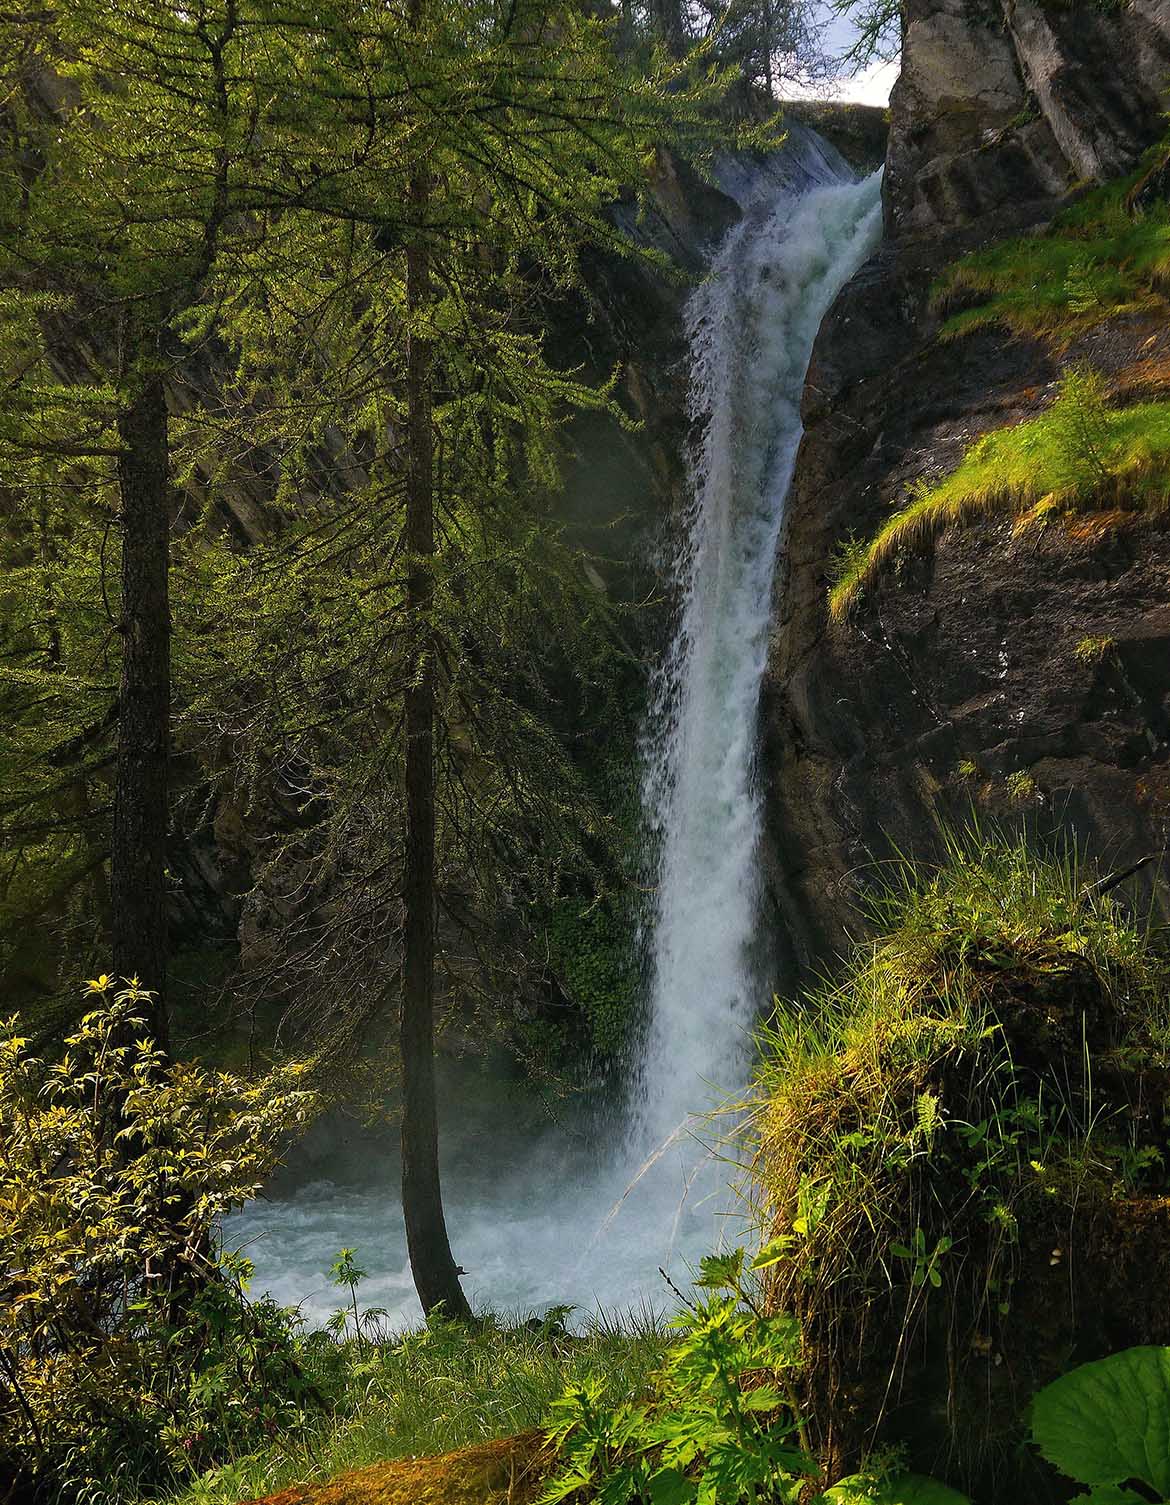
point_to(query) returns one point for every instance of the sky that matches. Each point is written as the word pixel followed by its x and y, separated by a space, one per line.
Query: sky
pixel 871 87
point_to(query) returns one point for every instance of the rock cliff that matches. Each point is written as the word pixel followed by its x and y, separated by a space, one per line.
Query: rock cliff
pixel 958 682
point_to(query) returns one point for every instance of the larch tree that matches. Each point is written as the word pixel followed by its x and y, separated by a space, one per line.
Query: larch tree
pixel 317 240
pixel 145 145
pixel 422 342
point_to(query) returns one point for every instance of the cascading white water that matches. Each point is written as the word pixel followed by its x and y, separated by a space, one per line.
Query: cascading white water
pixel 751 328
pixel 536 1215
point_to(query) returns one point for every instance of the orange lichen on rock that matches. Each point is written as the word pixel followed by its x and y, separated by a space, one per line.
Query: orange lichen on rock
pixel 1090 527
pixel 507 1472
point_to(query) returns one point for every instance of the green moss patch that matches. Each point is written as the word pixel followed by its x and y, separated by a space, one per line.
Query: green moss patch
pixel 1107 254
pixel 1080 453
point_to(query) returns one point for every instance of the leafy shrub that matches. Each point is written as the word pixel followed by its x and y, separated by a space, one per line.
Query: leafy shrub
pixel 718 1426
pixel 721 1424
pixel 128 1352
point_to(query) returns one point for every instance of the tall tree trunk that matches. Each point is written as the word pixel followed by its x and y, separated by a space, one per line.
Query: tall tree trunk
pixel 436 1276
pixel 668 23
pixel 138 847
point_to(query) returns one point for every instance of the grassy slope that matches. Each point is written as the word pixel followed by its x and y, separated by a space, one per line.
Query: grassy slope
pixel 1107 256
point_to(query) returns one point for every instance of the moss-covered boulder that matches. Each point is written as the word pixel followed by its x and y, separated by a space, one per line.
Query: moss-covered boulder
pixel 965 1143
pixel 505 1472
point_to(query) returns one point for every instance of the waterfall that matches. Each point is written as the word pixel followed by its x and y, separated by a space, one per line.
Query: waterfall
pixel 536 1214
pixel 750 328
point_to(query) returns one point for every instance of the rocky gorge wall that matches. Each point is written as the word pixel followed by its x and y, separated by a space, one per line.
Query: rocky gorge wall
pixel 956 684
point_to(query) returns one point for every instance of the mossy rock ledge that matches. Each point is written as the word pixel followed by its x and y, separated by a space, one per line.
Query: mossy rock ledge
pixel 509 1471
pixel 966 1142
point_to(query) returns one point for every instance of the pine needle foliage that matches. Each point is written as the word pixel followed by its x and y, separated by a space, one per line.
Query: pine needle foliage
pixel 1080 453
pixel 220 196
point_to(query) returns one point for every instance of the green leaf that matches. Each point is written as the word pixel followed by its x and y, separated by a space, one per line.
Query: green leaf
pixel 763 1398
pixel 907 1489
pixel 720 1271
pixel 773 1252
pixel 1109 1494
pixel 1109 1421
pixel 669 1487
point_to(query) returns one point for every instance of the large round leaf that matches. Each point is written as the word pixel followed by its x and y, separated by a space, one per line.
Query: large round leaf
pixel 1109 1421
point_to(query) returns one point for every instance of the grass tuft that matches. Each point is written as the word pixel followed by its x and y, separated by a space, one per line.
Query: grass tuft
pixel 1079 452
pixel 1108 254
pixel 978 1074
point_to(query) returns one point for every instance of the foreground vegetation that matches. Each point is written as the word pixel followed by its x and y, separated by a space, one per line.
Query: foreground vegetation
pixel 962 1146
pixel 959 1152
pixel 442 1387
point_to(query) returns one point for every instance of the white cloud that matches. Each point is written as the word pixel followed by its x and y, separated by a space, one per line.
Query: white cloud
pixel 870 87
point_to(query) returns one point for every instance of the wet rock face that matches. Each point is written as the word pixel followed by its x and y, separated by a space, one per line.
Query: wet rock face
pixel 960 671
pixel 1002 101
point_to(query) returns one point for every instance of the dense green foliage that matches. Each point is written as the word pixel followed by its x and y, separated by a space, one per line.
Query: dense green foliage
pixel 718 1425
pixel 976 1078
pixel 231 215
pixel 128 1354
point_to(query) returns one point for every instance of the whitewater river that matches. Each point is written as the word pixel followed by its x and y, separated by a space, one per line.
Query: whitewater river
pixel 547 1213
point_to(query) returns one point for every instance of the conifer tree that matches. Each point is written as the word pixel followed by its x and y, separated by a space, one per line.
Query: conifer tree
pixel 517 132
pixel 313 244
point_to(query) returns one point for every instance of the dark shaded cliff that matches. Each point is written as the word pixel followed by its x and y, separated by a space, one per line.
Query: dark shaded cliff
pixel 960 681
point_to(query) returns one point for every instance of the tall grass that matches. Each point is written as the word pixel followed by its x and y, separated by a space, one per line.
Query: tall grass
pixel 970 1077
pixel 443 1387
pixel 1079 451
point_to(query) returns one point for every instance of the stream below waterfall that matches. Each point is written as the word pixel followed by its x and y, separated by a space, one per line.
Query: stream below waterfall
pixel 543 1213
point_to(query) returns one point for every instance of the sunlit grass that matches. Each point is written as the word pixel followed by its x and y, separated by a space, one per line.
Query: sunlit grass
pixel 1079 451
pixel 1100 258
